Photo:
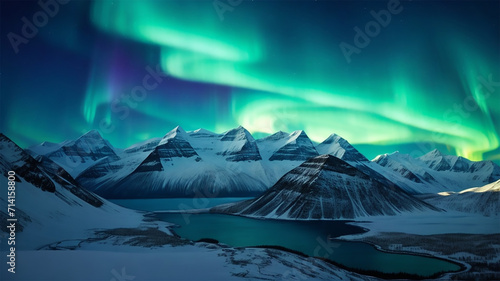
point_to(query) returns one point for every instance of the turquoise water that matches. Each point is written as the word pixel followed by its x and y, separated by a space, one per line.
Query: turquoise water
pixel 167 204
pixel 313 238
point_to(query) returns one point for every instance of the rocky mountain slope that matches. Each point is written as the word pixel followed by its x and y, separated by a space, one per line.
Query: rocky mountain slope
pixel 326 187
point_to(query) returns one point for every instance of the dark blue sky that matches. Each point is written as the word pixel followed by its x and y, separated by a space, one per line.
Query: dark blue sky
pixel 386 75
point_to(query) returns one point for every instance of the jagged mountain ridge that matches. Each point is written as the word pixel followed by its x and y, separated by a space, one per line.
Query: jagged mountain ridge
pixel 77 155
pixel 435 172
pixel 243 146
pixel 51 206
pixel 52 182
pixel 14 158
pixel 297 146
pixel 439 162
pixel 326 187
pixel 487 169
pixel 235 164
pixel 42 172
pixel 339 147
pixel 183 164
pixel 62 220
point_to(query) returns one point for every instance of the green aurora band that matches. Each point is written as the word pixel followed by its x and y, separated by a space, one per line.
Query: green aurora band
pixel 296 77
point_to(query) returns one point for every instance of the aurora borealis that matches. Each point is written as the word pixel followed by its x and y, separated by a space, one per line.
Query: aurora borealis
pixel 135 69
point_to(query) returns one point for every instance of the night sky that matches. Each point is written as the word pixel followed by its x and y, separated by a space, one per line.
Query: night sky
pixel 409 76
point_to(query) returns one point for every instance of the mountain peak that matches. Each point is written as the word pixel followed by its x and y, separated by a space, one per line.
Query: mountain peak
pixel 174 144
pixel 174 133
pixel 340 148
pixel 92 138
pixel 298 133
pixel 237 134
pixel 240 145
pixel 92 134
pixel 326 187
pixel 13 157
pixel 179 129
pixel 203 131
pixel 297 147
pixel 324 159
pixel 276 136
pixel 332 138
pixel 433 153
pixel 379 157
pixel 437 161
pixel 330 163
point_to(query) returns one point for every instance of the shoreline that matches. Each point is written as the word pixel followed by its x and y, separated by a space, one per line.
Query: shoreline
pixel 463 267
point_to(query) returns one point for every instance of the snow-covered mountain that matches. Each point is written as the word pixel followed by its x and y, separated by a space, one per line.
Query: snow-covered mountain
pixel 50 203
pixel 480 171
pixel 61 225
pixel 241 146
pixel 484 200
pixel 282 146
pixel 409 173
pixel 75 156
pixel 439 162
pixel 203 163
pixel 14 158
pixel 144 146
pixel 435 172
pixel 199 163
pixel 339 147
pixel 184 164
pixel 326 187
